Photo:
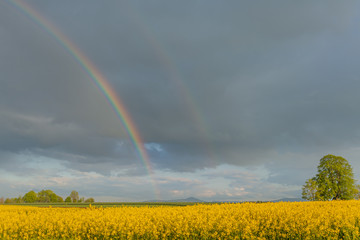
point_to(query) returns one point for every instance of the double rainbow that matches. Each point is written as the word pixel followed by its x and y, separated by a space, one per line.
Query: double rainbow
pixel 96 76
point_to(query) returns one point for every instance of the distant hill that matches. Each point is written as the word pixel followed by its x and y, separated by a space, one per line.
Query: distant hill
pixel 190 199
pixel 289 200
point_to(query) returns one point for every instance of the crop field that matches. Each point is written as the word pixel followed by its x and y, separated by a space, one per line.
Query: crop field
pixel 301 220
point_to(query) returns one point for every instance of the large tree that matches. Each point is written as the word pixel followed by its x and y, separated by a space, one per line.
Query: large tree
pixel 334 181
pixel 30 197
pixel 48 196
pixel 45 196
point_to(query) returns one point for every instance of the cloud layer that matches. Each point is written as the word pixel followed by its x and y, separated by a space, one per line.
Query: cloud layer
pixel 250 85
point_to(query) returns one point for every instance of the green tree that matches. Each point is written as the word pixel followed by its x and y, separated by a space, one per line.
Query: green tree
pixel 30 197
pixel 334 181
pixel 74 195
pixel 68 199
pixel 60 199
pixel 310 190
pixel 53 197
pixel 90 200
pixel 44 196
pixel 48 196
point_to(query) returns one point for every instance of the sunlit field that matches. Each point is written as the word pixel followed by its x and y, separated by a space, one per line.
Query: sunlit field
pixel 305 220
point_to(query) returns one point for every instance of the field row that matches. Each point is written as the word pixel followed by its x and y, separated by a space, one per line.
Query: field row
pixel 306 220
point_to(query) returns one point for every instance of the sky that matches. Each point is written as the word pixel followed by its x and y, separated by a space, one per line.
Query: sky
pixel 233 100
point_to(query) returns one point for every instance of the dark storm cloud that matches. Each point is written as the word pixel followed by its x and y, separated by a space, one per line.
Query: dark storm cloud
pixel 210 82
pixel 46 101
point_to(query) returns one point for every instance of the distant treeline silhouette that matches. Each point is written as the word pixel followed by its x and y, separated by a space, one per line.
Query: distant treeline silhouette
pixel 47 196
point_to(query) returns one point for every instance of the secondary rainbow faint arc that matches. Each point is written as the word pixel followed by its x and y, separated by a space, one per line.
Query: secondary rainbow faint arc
pixel 97 78
pixel 175 76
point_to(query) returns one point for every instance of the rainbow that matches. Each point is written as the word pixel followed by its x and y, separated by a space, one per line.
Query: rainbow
pixel 99 80
pixel 174 75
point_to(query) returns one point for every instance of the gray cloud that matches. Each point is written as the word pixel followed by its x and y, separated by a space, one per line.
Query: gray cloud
pixel 242 83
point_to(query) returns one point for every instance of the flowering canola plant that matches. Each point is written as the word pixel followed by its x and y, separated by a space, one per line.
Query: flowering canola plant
pixel 301 220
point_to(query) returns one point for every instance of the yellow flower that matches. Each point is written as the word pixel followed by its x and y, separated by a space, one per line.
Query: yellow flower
pixel 306 220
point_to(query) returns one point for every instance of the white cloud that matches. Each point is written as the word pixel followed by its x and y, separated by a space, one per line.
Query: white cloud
pixel 153 147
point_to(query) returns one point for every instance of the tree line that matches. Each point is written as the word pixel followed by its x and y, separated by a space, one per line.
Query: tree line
pixel 334 181
pixel 47 196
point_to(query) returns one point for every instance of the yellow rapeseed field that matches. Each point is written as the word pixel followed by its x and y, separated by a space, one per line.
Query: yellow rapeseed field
pixel 307 220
